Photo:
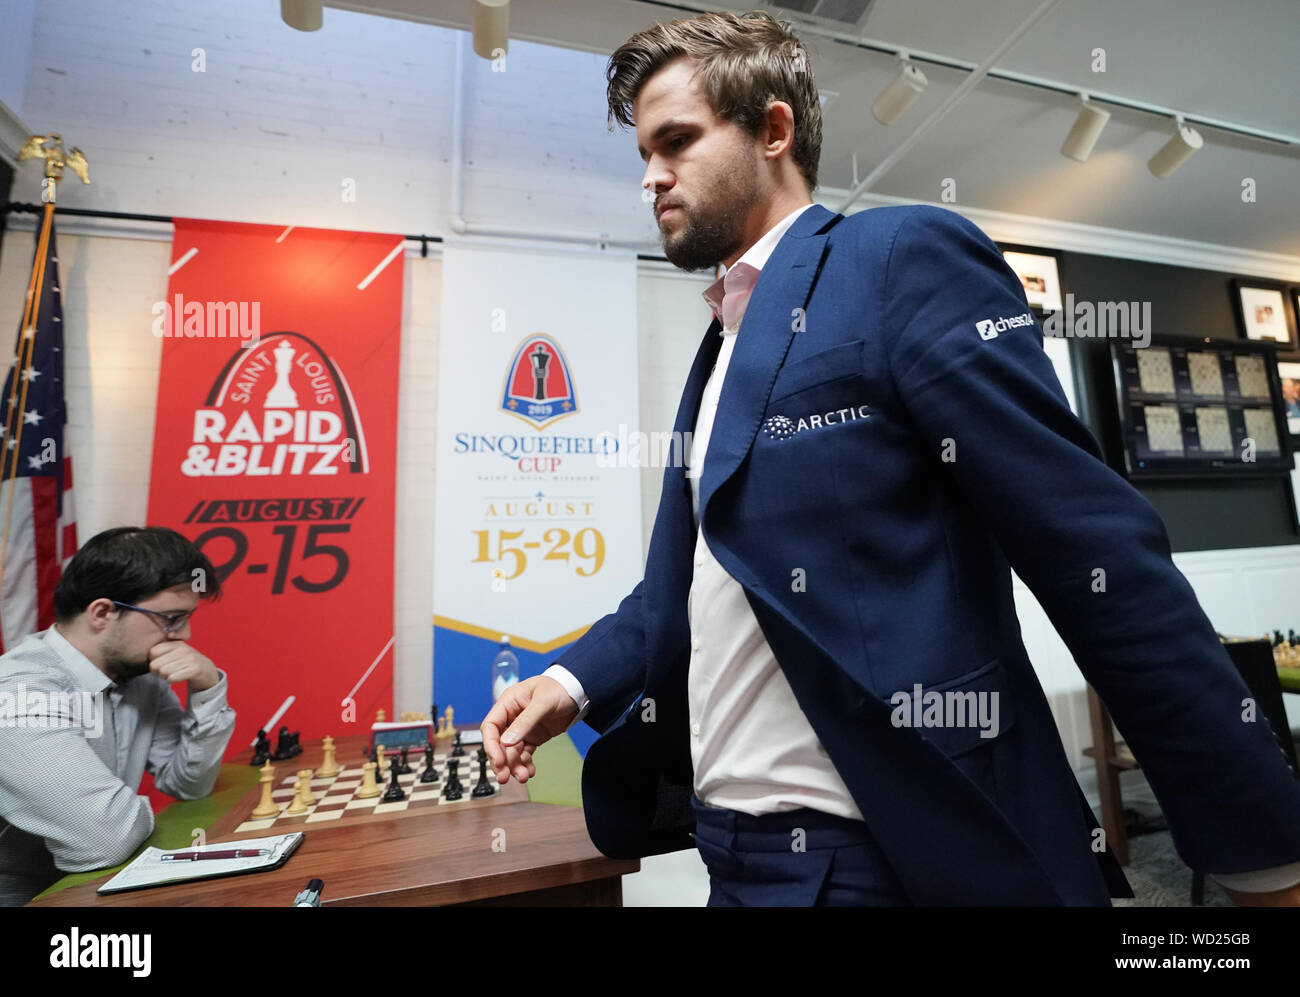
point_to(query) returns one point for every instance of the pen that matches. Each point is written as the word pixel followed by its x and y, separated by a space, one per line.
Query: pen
pixel 227 853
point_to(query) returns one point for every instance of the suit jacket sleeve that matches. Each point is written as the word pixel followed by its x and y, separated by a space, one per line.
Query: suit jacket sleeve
pixel 1090 547
pixel 610 661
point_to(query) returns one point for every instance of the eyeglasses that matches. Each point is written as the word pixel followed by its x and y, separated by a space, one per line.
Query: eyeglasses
pixel 174 620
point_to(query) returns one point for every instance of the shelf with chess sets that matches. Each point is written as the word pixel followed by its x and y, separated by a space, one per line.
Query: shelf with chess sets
pixel 339 795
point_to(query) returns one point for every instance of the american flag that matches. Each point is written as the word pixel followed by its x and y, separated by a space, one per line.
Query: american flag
pixel 38 533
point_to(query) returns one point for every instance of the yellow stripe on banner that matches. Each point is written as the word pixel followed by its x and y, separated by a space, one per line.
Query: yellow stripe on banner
pixel 539 647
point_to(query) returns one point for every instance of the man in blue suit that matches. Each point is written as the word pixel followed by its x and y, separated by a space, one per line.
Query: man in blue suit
pixel 820 681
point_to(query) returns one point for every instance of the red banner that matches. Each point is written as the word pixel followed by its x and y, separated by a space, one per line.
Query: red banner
pixel 275 451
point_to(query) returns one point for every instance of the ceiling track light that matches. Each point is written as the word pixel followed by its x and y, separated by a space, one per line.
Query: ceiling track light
pixel 900 94
pixel 1185 141
pixel 1087 129
pixel 491 28
pixel 304 15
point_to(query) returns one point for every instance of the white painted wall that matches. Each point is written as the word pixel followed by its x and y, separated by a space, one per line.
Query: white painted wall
pixel 279 119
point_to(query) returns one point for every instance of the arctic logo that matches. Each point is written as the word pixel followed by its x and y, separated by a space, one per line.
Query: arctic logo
pixel 782 427
pixel 989 328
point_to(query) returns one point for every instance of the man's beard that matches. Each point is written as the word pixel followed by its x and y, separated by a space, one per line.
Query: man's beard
pixel 122 670
pixel 712 231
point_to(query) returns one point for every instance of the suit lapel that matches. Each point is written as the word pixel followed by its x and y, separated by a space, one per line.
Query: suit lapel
pixel 675 487
pixel 705 357
pixel 768 327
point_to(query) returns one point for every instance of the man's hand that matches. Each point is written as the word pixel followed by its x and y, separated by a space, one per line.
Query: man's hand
pixel 176 661
pixel 1289 897
pixel 534 711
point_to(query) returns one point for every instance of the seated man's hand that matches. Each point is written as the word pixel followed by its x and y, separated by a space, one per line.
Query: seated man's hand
pixel 176 661
pixel 528 714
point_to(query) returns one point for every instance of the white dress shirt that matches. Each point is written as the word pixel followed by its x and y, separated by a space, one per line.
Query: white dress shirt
pixel 68 799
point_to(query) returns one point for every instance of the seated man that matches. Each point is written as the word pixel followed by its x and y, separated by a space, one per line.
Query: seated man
pixel 86 707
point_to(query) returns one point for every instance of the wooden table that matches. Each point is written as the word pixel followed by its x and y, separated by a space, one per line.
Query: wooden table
pixel 511 852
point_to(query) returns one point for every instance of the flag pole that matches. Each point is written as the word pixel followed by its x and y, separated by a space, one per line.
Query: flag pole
pixel 50 149
pixel 23 362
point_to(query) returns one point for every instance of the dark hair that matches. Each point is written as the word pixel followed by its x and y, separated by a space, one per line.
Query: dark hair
pixel 130 563
pixel 743 61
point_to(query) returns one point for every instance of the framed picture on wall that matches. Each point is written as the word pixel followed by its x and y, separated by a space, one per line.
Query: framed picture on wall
pixel 1264 313
pixel 1039 275
pixel 1295 314
pixel 1289 374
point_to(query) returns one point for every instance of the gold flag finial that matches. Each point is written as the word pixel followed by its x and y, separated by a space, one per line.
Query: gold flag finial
pixel 50 148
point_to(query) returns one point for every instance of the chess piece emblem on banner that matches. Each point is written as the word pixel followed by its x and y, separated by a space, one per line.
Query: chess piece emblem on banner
pixel 539 385
pixel 281 394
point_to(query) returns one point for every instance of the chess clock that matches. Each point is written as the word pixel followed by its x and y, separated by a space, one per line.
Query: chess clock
pixel 404 734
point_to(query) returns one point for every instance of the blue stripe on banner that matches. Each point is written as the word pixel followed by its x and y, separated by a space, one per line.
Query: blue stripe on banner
pixel 462 677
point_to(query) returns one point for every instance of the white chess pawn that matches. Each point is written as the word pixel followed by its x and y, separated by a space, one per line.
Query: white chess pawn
pixel 298 806
pixel 304 777
pixel 369 788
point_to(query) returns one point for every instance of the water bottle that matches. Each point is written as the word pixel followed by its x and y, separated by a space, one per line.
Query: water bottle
pixel 505 669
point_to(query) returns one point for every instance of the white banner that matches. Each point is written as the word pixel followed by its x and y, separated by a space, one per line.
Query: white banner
pixel 538 519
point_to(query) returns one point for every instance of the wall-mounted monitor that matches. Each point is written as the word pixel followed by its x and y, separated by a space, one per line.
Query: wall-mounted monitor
pixel 1200 407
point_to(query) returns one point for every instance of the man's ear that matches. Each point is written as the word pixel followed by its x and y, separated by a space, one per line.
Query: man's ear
pixel 780 125
pixel 99 614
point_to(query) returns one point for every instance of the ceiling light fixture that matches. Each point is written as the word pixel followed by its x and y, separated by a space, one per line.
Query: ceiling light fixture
pixel 1087 129
pixel 1185 141
pixel 491 28
pixel 901 94
pixel 304 15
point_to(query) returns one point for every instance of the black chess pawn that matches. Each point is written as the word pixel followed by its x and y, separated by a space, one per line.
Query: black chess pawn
pixel 430 774
pixel 457 751
pixel 394 792
pixel 484 786
pixel 453 790
pixel 404 766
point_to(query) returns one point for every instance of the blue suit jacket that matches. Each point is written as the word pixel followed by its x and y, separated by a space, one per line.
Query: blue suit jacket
pixel 905 522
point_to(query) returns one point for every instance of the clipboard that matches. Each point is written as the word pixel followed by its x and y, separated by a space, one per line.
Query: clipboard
pixel 149 868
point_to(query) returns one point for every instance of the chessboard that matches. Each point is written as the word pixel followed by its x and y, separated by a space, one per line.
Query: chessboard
pixel 336 802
